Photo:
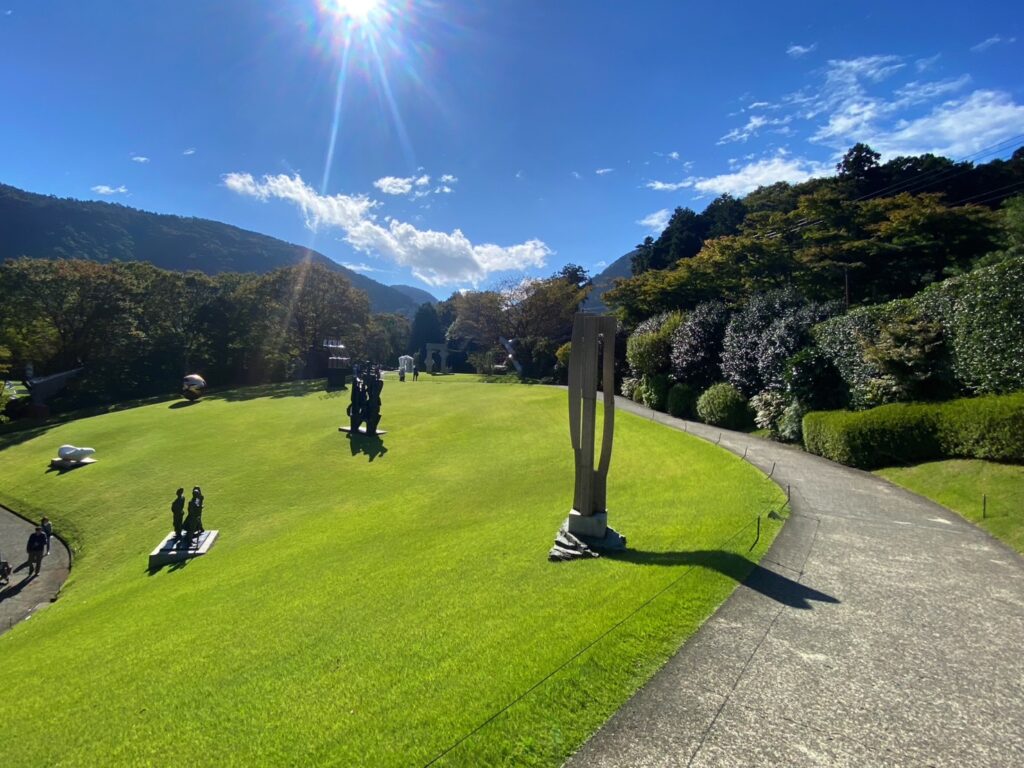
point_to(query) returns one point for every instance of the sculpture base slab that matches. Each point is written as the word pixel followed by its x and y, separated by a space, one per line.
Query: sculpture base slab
pixel 593 526
pixel 570 545
pixel 362 431
pixel 65 464
pixel 172 550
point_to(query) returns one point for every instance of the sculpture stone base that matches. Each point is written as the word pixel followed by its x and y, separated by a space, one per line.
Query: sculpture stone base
pixel 172 550
pixel 66 464
pixel 573 544
pixel 362 431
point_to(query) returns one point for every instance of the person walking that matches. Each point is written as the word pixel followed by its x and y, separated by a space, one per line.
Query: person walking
pixel 35 548
pixel 47 527
pixel 178 512
pixel 415 372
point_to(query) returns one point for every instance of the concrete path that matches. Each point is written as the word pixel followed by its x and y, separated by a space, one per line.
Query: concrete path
pixel 904 646
pixel 24 596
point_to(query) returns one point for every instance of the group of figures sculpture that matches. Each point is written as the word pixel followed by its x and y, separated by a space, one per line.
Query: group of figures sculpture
pixel 187 527
pixel 365 406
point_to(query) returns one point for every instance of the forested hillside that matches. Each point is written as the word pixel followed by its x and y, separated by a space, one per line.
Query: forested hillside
pixel 42 226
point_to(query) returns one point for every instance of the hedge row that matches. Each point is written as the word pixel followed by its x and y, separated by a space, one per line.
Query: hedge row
pixel 981 315
pixel 990 427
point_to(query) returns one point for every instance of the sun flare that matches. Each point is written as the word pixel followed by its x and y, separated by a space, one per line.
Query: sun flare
pixel 357 10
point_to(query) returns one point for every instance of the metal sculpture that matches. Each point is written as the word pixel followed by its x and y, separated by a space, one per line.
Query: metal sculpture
pixel 593 338
pixel 365 406
pixel 192 387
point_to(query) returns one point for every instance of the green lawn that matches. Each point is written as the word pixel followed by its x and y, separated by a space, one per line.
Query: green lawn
pixel 959 484
pixel 359 612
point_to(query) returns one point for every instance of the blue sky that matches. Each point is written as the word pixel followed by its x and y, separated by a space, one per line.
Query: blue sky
pixel 477 141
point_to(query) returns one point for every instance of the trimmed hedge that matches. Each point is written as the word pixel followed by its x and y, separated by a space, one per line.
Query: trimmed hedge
pixel 990 427
pixel 981 315
pixel 724 406
pixel 682 401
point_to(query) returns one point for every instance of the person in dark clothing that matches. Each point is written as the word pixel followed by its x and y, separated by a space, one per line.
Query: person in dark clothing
pixel 35 547
pixel 194 521
pixel 178 512
pixel 415 372
pixel 47 527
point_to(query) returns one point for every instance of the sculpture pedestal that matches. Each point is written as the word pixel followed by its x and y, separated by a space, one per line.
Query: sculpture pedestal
pixel 172 550
pixel 362 431
pixel 59 463
pixel 585 536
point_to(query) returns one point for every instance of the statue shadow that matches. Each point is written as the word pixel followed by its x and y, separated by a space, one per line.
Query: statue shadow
pixel 750 574
pixel 371 445
pixel 182 404
pixel 169 567
pixel 63 470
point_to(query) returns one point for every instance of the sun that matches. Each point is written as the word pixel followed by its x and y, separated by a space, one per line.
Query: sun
pixel 358 11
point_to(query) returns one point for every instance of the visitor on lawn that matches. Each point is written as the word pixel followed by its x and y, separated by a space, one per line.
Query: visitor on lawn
pixel 178 512
pixel 415 372
pixel 35 547
pixel 47 527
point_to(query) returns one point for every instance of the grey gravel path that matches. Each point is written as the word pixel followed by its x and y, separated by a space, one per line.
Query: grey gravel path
pixel 23 596
pixel 913 656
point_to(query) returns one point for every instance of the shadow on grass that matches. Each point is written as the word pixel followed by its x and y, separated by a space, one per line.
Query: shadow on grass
pixel 370 445
pixel 169 567
pixel 768 583
pixel 182 404
pixel 282 389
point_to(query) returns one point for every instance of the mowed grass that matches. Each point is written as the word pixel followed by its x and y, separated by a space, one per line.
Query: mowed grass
pixel 359 612
pixel 960 484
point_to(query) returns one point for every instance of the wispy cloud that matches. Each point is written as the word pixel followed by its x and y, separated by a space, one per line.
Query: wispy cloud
pixel 104 189
pixel 437 258
pixel 984 45
pixel 140 159
pixel 749 177
pixel 657 221
pixel 673 155
pixel 189 151
pixel 922 65
pixel 448 178
pixel 360 267
pixel 416 186
pixel 577 175
pixel 753 128
pixel 520 174
pixel 670 186
pixel 603 171
pixel 796 51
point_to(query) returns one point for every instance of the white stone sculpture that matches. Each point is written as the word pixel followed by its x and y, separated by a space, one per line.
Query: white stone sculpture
pixel 72 454
pixel 405 363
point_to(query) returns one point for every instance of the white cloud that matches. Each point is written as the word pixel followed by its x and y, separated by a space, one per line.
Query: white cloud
pixel 601 264
pixel 762 105
pixel 577 175
pixel 189 151
pixel 762 172
pixel 139 159
pixel 437 258
pixel 669 186
pixel 360 267
pixel 673 155
pixel 448 178
pixel 984 45
pixel 753 127
pixel 394 185
pixel 603 171
pixel 104 189
pixel 955 128
pixel 422 181
pixel 796 51
pixel 927 63
pixel 520 175
pixel 657 221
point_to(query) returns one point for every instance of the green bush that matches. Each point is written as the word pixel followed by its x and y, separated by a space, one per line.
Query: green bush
pixel 682 401
pixel 724 406
pixel 628 387
pixel 907 433
pixel 652 391
pixel 649 347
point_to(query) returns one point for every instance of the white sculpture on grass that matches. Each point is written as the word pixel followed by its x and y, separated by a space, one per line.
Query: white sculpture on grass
pixel 405 363
pixel 71 453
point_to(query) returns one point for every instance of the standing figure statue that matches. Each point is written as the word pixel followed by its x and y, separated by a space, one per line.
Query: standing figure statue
pixel 178 512
pixel 194 520
pixel 365 405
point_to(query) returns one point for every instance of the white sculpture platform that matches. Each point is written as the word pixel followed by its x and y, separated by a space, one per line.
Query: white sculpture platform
pixel 172 550
pixel 362 431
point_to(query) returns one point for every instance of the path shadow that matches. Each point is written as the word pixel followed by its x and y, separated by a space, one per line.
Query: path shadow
pixel 768 583
pixel 13 589
pixel 371 445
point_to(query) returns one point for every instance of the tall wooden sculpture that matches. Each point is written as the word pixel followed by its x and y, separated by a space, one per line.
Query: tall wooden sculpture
pixel 593 354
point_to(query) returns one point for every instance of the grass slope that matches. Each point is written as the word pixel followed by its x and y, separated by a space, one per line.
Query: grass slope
pixel 959 485
pixel 359 612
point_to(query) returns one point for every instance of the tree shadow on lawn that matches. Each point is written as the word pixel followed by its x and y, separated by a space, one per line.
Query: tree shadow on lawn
pixel 768 583
pixel 279 390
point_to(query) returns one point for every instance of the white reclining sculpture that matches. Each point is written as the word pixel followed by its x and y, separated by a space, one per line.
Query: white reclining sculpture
pixel 70 453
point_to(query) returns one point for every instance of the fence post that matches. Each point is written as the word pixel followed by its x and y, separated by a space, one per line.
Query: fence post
pixel 984 506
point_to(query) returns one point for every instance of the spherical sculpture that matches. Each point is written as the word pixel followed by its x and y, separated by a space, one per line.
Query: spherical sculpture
pixel 192 386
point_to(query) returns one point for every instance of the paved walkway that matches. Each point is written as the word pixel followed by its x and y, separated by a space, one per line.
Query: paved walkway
pixel 23 596
pixel 905 646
